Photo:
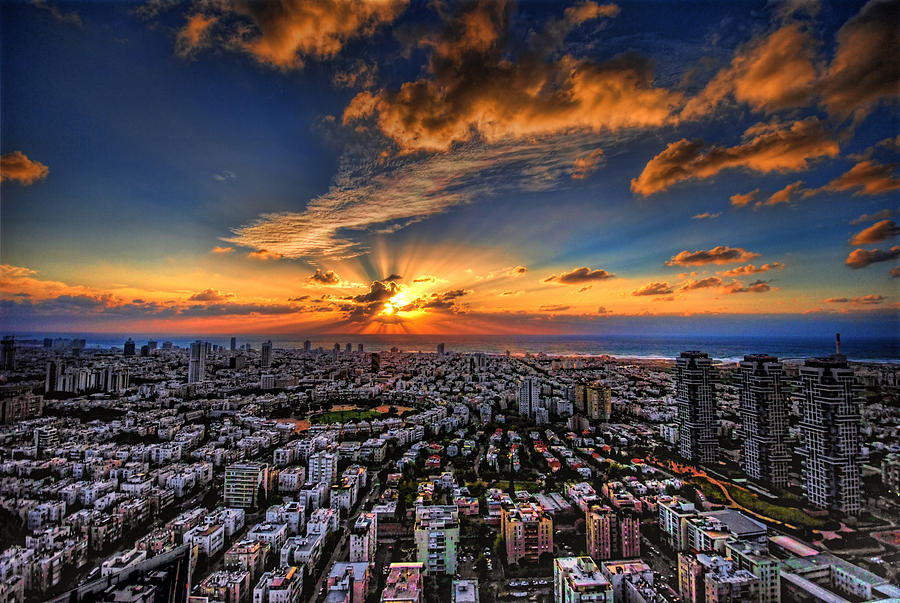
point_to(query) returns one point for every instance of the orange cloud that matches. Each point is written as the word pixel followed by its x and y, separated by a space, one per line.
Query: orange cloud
pixel 865 70
pixel 751 269
pixel 16 166
pixel 767 148
pixel 210 295
pixel 653 289
pixel 740 200
pixel 880 231
pixel 579 276
pixel 867 177
pixel 474 89
pixel 860 258
pixel 754 287
pixel 264 254
pixel 193 35
pixel 553 308
pixel 785 195
pixel 706 216
pixel 771 72
pixel 292 29
pixel 879 215
pixel 704 283
pixel 719 254
pixel 585 165
pixel 218 249
pixel 517 271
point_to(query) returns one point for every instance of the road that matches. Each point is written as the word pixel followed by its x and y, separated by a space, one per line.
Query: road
pixel 341 550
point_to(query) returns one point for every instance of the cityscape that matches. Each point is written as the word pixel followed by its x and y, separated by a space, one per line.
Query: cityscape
pixel 450 301
pixel 240 471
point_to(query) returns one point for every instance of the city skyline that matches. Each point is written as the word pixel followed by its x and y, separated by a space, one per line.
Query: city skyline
pixel 407 167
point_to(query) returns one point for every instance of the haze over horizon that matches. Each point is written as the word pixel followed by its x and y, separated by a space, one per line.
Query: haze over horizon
pixel 392 167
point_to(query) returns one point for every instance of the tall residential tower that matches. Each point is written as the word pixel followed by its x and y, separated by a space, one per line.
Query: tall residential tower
pixel 695 395
pixel 764 419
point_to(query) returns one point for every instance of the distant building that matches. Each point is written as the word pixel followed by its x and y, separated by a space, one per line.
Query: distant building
pixel 695 395
pixel 529 396
pixel 242 484
pixel 598 402
pixel 612 535
pixel 8 353
pixel 129 347
pixel 578 580
pixel 266 355
pixel 764 419
pixel 440 349
pixel 197 364
pixel 527 531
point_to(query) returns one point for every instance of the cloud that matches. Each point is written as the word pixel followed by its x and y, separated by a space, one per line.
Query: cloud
pixel 287 31
pixel 865 70
pixel 880 231
pixel 865 300
pixel 210 295
pixel 225 176
pixel 860 258
pixel 516 271
pixel 754 287
pixel 264 254
pixel 585 165
pixel 776 71
pixel 603 310
pixel 359 75
pixel 193 36
pixel 751 269
pixel 367 194
pixel 706 216
pixel 378 292
pixel 392 277
pixel 766 148
pixel 704 283
pixel 867 177
pixel 894 272
pixel 16 166
pixel 476 87
pixel 506 293
pixel 10 271
pixel 579 276
pixel 879 215
pixel 785 195
pixel 553 308
pixel 71 17
pixel 427 278
pixel 719 254
pixel 446 300
pixel 654 289
pixel 329 277
pixel 218 249
pixel 740 200
pixel 585 288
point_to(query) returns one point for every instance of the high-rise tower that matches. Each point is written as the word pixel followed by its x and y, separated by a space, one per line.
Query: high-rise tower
pixel 266 355
pixel 695 395
pixel 829 433
pixel 197 365
pixel 764 419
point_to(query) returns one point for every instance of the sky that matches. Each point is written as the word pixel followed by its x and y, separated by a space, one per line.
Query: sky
pixel 395 166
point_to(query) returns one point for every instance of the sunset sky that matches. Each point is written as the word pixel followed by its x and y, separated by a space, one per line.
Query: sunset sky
pixel 428 167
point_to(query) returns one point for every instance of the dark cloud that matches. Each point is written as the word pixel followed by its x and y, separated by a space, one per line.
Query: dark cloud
pixel 879 215
pixel 654 289
pixel 704 283
pixel 751 269
pixel 328 277
pixel 860 258
pixel 754 287
pixel 719 254
pixel 210 295
pixel 579 276
pixel 880 231
pixel 392 278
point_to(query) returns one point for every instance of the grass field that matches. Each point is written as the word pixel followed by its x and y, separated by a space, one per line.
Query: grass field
pixel 791 515
pixel 342 416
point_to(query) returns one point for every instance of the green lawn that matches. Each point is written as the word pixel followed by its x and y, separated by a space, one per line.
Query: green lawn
pixel 791 515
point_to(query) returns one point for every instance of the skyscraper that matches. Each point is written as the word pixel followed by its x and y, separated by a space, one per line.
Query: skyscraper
pixel 307 345
pixel 359 348
pixel 348 348
pixel 695 395
pixel 764 419
pixel 233 344
pixel 599 402
pixel 529 396
pixel 8 353
pixel 197 365
pixel 829 433
pixel 129 347
pixel 440 349
pixel 266 355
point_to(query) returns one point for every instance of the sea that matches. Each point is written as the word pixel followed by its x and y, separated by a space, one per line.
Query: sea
pixel 725 348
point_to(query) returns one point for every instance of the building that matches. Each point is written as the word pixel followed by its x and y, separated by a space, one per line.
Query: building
pixel 404 583
pixel 46 437
pixel 364 538
pixel 284 585
pixel 348 582
pixel 527 531
pixel 129 347
pixel 529 396
pixel 598 403
pixel 226 586
pixel 233 344
pixel 322 468
pixel 707 578
pixel 197 364
pixel 612 535
pixel 578 579
pixel 265 358
pixel 437 538
pixel 440 349
pixel 672 521
pixel 243 482
pixel 695 396
pixel 465 591
pixel 8 353
pixel 622 574
pixel 828 401
pixel 764 419
pixel 756 560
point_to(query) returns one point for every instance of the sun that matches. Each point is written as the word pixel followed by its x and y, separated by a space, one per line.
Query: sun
pixel 394 304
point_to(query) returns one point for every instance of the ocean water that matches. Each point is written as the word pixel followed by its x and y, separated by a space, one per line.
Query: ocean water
pixel 725 348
